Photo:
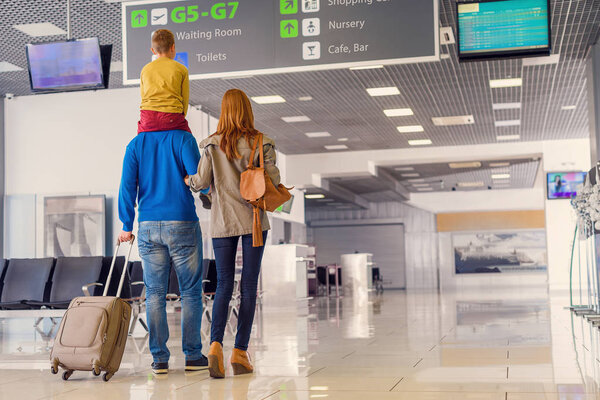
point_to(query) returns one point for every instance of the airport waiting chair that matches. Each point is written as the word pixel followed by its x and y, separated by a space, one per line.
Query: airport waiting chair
pixel 173 292
pixel 73 277
pixel 377 280
pixel 3 265
pixel 209 286
pixel 26 280
pixel 116 277
pixel 136 274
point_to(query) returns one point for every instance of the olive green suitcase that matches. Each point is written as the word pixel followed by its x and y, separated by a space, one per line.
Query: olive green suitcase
pixel 93 332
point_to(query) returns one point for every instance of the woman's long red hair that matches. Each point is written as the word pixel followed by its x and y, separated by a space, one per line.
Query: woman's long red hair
pixel 236 121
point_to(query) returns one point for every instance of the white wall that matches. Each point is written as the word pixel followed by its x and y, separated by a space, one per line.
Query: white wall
pixel 74 143
pixel 556 155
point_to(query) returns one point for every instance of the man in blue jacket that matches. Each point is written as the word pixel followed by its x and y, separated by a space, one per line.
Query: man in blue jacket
pixel 169 234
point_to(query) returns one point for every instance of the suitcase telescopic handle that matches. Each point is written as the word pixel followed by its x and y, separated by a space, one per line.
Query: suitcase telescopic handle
pixel 112 267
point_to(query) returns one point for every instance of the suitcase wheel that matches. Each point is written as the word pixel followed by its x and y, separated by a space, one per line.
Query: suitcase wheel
pixel 106 377
pixel 96 372
pixel 67 374
pixel 54 370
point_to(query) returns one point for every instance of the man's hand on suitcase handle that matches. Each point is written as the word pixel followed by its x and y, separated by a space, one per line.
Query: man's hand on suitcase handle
pixel 126 237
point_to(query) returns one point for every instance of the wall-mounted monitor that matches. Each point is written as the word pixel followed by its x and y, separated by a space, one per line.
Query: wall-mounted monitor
pixel 65 66
pixel 287 206
pixel 492 29
pixel 563 185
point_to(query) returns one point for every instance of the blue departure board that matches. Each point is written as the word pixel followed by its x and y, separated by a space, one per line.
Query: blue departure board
pixel 492 29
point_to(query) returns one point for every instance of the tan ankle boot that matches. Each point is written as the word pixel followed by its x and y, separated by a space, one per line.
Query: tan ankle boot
pixel 216 367
pixel 240 361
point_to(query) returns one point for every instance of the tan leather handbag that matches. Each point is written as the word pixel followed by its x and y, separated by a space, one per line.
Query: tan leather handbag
pixel 257 189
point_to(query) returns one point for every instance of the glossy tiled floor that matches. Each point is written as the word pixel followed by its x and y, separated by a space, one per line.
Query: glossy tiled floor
pixel 520 345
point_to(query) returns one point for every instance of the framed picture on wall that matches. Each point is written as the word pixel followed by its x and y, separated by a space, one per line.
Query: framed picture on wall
pixel 74 226
pixel 501 252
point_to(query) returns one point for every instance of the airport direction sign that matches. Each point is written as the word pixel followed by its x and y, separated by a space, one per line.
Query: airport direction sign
pixel 251 37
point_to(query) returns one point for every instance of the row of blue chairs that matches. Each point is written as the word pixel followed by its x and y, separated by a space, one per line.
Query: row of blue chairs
pixel 51 283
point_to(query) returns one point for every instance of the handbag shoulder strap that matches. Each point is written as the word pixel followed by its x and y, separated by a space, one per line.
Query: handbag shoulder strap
pixel 262 152
pixel 251 159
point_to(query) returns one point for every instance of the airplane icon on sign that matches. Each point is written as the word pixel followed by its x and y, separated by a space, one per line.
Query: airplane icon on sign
pixel 159 16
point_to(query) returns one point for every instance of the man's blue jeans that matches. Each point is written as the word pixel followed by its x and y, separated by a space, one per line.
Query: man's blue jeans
pixel 180 243
pixel 225 252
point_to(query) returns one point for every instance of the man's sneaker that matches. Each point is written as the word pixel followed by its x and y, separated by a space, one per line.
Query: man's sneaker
pixel 196 365
pixel 160 368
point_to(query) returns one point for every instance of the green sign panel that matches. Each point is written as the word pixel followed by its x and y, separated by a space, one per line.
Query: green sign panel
pixel 216 38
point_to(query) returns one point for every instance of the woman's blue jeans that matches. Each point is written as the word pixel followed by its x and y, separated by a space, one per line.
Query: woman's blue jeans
pixel 225 252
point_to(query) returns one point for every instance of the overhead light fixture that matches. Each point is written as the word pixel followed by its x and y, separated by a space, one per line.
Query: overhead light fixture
pixel 500 176
pixel 444 56
pixel 499 164
pixel 411 175
pixel 505 83
pixel 446 35
pixel 343 139
pixel 509 122
pixel 305 98
pixel 470 184
pixel 532 61
pixel 459 165
pixel 314 196
pixel 336 147
pixel 455 120
pixel 425 189
pixel 410 129
pixel 268 99
pixel 298 118
pixel 404 168
pixel 318 134
pixel 398 112
pixel 417 185
pixel 506 106
pixel 420 142
pixel 319 388
pixel 319 396
pixel 505 138
pixel 416 180
pixel 5 66
pixel 40 29
pixel 366 67
pixel 383 91
pixel 568 108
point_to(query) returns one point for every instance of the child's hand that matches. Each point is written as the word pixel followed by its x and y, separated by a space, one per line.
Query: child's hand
pixel 187 180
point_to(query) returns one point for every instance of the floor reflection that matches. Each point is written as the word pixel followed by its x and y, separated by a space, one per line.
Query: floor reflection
pixel 518 345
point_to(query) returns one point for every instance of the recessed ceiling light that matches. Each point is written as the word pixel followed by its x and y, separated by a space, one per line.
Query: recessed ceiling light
pixel 314 196
pixel 383 91
pixel 425 189
pixel 410 129
pixel 420 142
pixel 444 56
pixel 305 98
pixel 268 99
pixel 504 83
pixel 398 112
pixel 366 67
pixel 5 66
pixel 470 184
pixel 458 165
pixel 567 108
pixel 509 122
pixel 40 29
pixel 298 118
pixel 317 134
pixel 343 139
pixel 455 120
pixel 404 168
pixel 551 59
pixel 411 175
pixel 420 185
pixel 318 396
pixel 500 176
pixel 505 106
pixel 336 147
pixel 504 138
pixel 499 164
pixel 416 180
pixel 319 388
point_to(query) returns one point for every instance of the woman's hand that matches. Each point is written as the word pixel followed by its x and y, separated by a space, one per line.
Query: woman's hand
pixel 187 180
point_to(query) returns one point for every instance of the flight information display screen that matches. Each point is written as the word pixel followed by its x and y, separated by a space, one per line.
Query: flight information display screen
pixel 503 28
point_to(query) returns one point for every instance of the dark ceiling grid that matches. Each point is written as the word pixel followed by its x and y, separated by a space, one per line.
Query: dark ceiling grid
pixel 341 105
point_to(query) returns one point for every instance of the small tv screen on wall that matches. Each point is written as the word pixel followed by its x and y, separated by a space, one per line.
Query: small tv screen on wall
pixel 563 185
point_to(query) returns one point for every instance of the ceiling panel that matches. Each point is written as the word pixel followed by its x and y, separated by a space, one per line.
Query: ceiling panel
pixel 340 102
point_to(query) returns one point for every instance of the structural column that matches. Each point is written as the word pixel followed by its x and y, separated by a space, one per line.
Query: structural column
pixel 593 81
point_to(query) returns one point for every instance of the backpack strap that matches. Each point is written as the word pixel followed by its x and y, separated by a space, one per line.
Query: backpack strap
pixel 262 151
pixel 251 159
